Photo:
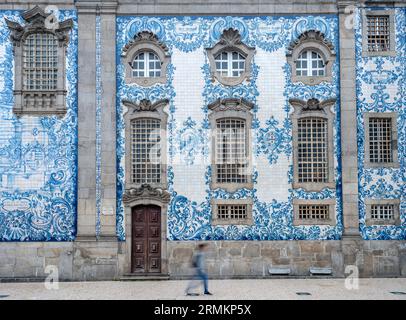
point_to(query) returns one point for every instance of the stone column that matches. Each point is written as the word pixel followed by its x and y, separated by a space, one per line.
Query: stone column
pixel 108 119
pixel 86 220
pixel 349 150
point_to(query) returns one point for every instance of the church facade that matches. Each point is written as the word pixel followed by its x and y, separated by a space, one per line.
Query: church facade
pixel 131 132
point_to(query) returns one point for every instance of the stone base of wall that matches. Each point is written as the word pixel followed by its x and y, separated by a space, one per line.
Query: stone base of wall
pixel 107 260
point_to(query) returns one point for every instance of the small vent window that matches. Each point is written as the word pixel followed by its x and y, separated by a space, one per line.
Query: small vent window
pixel 232 212
pixel 313 212
pixel 382 212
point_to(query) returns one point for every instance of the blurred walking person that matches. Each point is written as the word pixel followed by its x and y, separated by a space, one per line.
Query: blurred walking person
pixel 199 272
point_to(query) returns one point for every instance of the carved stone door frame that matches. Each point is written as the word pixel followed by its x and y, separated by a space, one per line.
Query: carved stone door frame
pixel 146 195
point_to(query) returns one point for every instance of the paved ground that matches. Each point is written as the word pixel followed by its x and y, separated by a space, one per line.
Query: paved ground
pixel 223 289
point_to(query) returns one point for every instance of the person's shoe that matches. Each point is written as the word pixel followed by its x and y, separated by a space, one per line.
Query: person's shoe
pixel 208 293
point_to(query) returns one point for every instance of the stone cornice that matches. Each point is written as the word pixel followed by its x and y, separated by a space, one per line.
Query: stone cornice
pixel 97 6
pixel 145 105
pixel 231 104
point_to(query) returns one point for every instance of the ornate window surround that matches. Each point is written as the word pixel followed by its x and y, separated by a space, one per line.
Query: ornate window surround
pixel 370 202
pixel 145 41
pixel 315 41
pixel 145 109
pixel 27 102
pixel 395 162
pixel 331 209
pixel 392 37
pixel 229 41
pixel 216 202
pixel 238 109
pixel 308 109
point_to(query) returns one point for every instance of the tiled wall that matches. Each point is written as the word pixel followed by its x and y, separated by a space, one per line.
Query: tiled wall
pixel 380 84
pixel 38 155
pixel 190 89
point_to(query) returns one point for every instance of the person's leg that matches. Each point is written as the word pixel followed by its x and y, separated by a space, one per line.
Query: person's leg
pixel 205 280
pixel 193 283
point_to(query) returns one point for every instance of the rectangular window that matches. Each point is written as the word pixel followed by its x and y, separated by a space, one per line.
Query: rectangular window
pixel 40 62
pixel 231 157
pixel 378 33
pixel 312 150
pixel 383 212
pixel 380 140
pixel 232 212
pixel 145 151
pixel 313 211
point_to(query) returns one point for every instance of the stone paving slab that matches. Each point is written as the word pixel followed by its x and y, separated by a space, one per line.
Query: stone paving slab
pixel 272 289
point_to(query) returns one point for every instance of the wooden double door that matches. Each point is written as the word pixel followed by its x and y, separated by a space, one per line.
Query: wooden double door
pixel 146 239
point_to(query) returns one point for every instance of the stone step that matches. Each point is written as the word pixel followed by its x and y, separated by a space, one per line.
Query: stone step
pixel 144 277
pixel 320 271
pixel 22 279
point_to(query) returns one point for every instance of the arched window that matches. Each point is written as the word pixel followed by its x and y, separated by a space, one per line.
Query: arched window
pixel 230 59
pixel 40 56
pixel 146 64
pixel 230 64
pixel 311 57
pixel 310 63
pixel 145 59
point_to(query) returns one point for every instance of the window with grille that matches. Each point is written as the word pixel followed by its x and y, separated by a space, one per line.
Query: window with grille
pixel 382 212
pixel 232 212
pixel 310 63
pixel 313 212
pixel 380 140
pixel 312 150
pixel 230 64
pixel 146 64
pixel 40 62
pixel 231 157
pixel 378 33
pixel 145 151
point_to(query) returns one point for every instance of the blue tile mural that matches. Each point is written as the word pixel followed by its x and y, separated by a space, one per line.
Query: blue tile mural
pixel 380 85
pixel 38 155
pixel 189 219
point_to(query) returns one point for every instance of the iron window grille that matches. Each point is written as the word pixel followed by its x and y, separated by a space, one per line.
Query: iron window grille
pixel 380 140
pixel 382 212
pixel 231 157
pixel 313 212
pixel 312 150
pixel 146 151
pixel 232 212
pixel 378 33
pixel 40 56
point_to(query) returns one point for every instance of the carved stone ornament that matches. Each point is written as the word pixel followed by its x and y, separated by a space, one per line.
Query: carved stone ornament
pixel 230 41
pixel 39 102
pixel 235 104
pixel 145 105
pixel 311 104
pixel 315 41
pixel 146 192
pixel 145 41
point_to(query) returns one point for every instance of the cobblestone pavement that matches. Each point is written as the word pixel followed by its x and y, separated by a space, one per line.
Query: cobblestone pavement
pixel 222 289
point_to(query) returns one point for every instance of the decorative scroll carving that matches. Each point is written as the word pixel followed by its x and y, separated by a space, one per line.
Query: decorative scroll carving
pixel 311 104
pixel 310 36
pixel 145 105
pixel 234 104
pixel 146 192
